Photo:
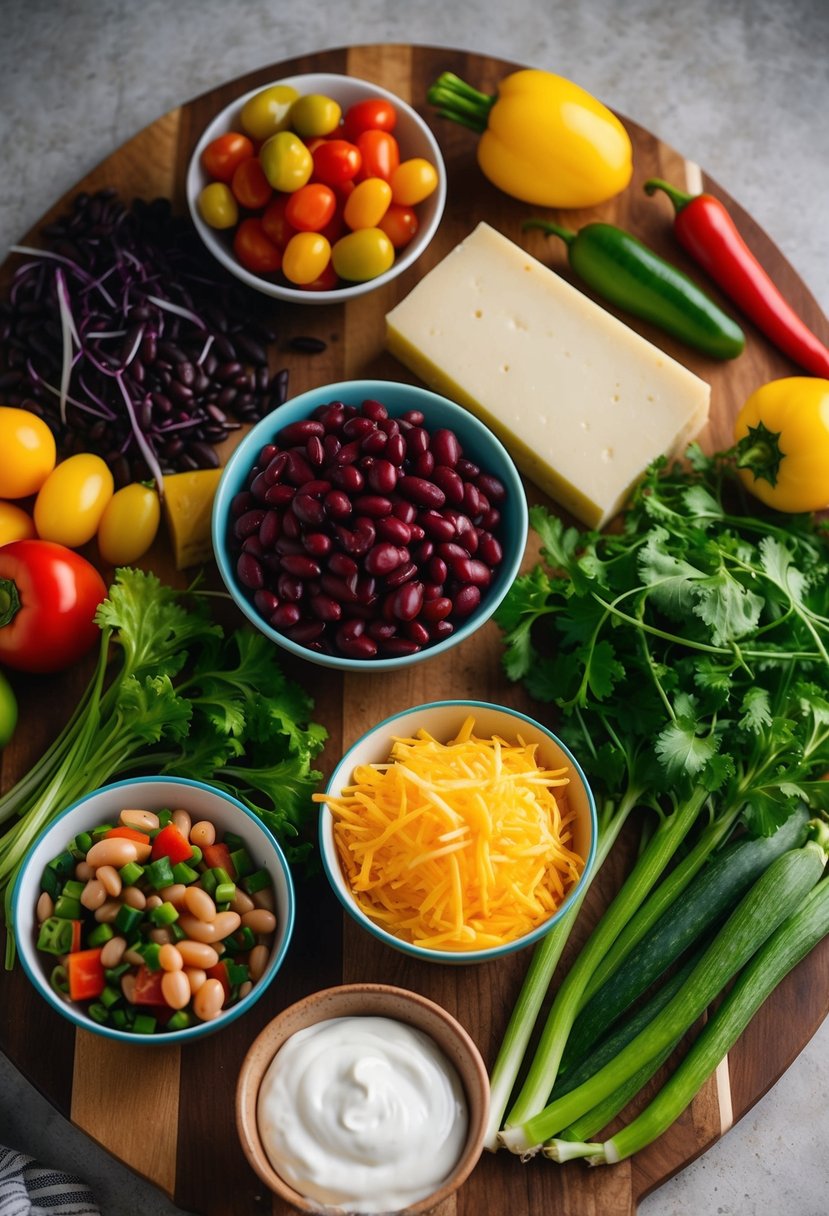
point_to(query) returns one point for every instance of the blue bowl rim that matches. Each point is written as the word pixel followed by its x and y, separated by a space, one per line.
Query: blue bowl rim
pixel 473 956
pixel 507 472
pixel 190 1033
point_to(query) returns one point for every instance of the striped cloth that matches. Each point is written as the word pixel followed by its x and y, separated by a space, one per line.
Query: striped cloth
pixel 30 1189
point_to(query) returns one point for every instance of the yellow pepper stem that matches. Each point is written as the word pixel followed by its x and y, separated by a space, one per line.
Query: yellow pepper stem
pixel 759 451
pixel 459 102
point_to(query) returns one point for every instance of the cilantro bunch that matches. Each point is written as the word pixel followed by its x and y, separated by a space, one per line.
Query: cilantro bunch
pixel 173 693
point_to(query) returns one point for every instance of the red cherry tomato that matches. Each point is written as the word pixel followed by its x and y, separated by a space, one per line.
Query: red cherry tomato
pixel 274 222
pixel 374 112
pixel 311 207
pixel 250 186
pixel 254 249
pixel 48 598
pixel 400 224
pixel 336 161
pixel 327 281
pixel 222 155
pixel 380 154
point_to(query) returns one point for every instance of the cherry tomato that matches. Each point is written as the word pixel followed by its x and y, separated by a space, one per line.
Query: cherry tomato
pixel 50 595
pixel 311 207
pixel 314 114
pixel 327 281
pixel 367 203
pixel 400 224
pixel 217 204
pixel 374 112
pixel 268 111
pixel 275 225
pixel 27 452
pixel 221 156
pixel 306 256
pixel 250 186
pixel 412 181
pixel 336 161
pixel 380 154
pixel 286 161
pixel 15 524
pixel 8 711
pixel 254 249
pixel 362 255
pixel 72 499
pixel 129 524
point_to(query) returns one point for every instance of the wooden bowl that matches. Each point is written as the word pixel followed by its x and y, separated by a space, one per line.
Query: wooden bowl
pixel 377 1000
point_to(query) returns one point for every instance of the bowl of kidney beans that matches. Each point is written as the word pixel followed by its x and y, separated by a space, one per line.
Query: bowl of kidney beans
pixel 369 524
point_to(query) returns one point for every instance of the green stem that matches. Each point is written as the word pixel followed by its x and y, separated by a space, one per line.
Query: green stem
pixel 459 102
pixel 9 601
pixel 679 198
pixel 551 229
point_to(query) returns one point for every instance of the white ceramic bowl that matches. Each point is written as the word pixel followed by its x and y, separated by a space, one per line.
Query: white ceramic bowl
pixel 442 720
pixel 414 137
pixel 152 794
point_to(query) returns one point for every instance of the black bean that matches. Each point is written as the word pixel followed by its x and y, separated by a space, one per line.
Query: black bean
pixel 307 345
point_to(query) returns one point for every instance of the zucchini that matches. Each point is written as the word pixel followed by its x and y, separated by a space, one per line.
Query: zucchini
pixel 714 892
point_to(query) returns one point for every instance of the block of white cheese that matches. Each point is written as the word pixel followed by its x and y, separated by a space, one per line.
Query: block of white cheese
pixel 581 401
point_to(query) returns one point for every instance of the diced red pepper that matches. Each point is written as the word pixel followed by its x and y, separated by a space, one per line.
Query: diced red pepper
pixel 219 972
pixel 172 843
pixel 85 973
pixel 129 834
pixel 217 857
pixel 77 934
pixel 148 987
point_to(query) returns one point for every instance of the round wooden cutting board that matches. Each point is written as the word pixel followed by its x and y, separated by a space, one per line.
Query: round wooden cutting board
pixel 168 1112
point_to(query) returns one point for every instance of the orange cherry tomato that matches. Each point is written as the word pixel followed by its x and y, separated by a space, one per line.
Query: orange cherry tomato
pixel 222 155
pixel 400 224
pixel 311 207
pixel 367 203
pixel 380 154
pixel 254 249
pixel 336 161
pixel 250 186
pixel 374 112
pixel 306 256
pixel 275 225
pixel 412 181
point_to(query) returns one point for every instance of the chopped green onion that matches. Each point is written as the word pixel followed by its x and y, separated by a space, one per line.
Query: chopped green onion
pixel 98 1012
pixel 55 936
pixel 59 980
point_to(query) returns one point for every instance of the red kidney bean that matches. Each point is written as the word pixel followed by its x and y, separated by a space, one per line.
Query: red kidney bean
pixel 325 607
pixel 438 526
pixel 416 632
pixel 285 616
pixel 423 551
pixel 374 443
pixel 314 451
pixel 290 526
pixel 381 630
pixel 252 544
pixel 337 504
pixel 432 591
pixel 316 487
pixel 375 505
pixel 365 588
pixel 489 549
pixel 374 409
pixel 330 447
pixel 265 601
pixel 440 630
pixel 333 416
pixel 339 589
pixel 266 455
pixel 437 609
pixel 384 557
pixel 467 469
pixel 308 510
pixel 249 571
pixel 362 647
pixel 494 489
pixel 393 529
pixel 415 417
pixel 436 569
pixel 240 503
pixel 382 476
pixel 348 453
pixel 299 432
pixel 297 469
pixel 491 519
pixel 270 528
pixel 305 632
pixel 358 426
pixel 275 467
pixel 348 478
pixel 420 491
pixel 389 426
pixel 259 487
pixel 408 600
pixel 466 600
pixel 472 500
pixel 404 510
pixel 343 565
pixel 424 465
pixel 248 523
pixel 450 482
pixel 398 648
pixel 301 566
pixel 353 628
pixel 396 449
pixel 417 441
pixel 289 588
pixel 279 495
pixel 445 447
pixel 317 544
pixel 451 551
pixel 401 575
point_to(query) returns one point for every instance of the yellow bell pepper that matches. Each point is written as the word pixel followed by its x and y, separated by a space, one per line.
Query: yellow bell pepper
pixel 544 140
pixel 782 444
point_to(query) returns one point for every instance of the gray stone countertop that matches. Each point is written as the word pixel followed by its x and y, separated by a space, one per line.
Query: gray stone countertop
pixel 739 86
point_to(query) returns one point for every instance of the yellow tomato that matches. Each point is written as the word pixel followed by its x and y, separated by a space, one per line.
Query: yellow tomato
pixel 412 181
pixel 367 203
pixel 27 452
pixel 129 524
pixel 218 206
pixel 362 254
pixel 15 524
pixel 286 162
pixel 72 499
pixel 267 111
pixel 306 256
pixel 314 114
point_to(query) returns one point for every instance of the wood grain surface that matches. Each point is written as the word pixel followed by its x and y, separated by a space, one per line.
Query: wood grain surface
pixel 168 1112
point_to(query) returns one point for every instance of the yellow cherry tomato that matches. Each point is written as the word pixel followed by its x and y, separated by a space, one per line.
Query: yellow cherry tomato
pixel 782 443
pixel 15 524
pixel 129 524
pixel 267 111
pixel 362 254
pixel 367 203
pixel 412 181
pixel 306 256
pixel 72 499
pixel 314 114
pixel 27 452
pixel 286 161
pixel 218 206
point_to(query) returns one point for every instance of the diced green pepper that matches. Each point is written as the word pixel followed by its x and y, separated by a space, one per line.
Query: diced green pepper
pixel 195 857
pixel 55 936
pixel 100 935
pixel 224 893
pixel 128 919
pixel 259 880
pixel 73 888
pixel 120 1019
pixel 159 873
pixel 182 872
pixel 81 845
pixel 130 873
pixel 67 907
pixel 165 914
pixel 98 1012
pixel 242 862
pixel 151 952
pixel 111 996
pixel 143 1024
pixel 208 882
pixel 180 1020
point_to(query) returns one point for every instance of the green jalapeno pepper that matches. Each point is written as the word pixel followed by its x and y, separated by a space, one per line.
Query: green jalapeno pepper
pixel 634 278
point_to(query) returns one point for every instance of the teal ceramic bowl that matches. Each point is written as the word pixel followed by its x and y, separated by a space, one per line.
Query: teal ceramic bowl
pixel 153 794
pixel 479 446
pixel 442 720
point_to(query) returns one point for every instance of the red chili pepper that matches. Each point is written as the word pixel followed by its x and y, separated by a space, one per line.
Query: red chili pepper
pixel 705 229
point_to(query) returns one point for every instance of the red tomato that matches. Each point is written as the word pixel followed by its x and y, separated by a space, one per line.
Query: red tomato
pixel 148 987
pixel 222 155
pixel 172 843
pixel 217 856
pixel 380 154
pixel 250 186
pixel 48 598
pixel 327 281
pixel 311 207
pixel 399 224
pixel 254 249
pixel 374 112
pixel 274 223
pixel 336 161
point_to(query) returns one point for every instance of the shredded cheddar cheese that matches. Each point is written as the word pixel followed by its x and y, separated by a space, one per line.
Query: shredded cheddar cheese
pixel 456 846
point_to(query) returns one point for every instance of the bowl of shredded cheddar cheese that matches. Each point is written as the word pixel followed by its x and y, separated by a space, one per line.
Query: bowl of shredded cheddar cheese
pixel 458 831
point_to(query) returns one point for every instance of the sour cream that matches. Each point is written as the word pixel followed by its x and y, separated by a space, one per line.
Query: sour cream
pixel 364 1113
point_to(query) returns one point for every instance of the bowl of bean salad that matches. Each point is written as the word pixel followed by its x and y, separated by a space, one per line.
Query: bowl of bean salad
pixel 157 909
pixel 368 525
